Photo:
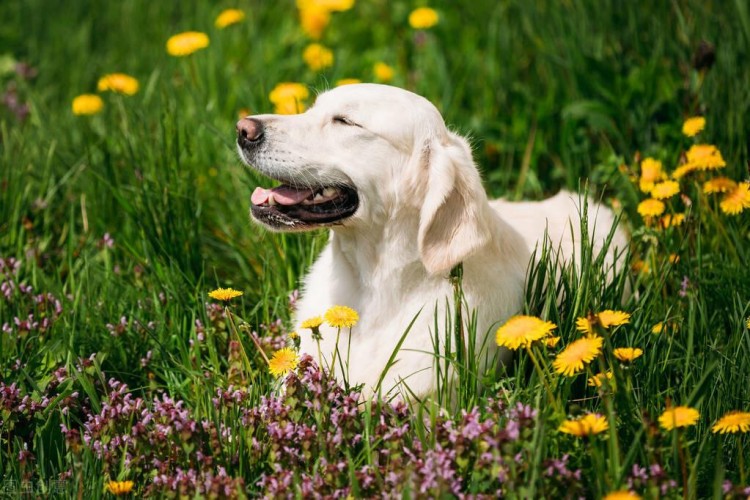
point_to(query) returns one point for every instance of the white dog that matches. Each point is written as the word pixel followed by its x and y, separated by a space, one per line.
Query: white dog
pixel 405 204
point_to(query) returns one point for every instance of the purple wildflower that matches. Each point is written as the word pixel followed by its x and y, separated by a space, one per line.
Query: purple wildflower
pixel 684 286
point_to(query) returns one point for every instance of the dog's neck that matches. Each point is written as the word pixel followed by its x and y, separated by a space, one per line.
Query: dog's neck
pixel 382 252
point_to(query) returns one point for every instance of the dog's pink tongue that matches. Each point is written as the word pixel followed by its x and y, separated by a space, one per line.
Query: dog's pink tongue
pixel 283 195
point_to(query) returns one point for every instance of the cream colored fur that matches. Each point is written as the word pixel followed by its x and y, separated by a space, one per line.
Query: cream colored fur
pixel 422 211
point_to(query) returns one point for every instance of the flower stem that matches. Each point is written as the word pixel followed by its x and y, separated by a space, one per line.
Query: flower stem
pixel 335 352
pixel 683 465
pixel 597 462
pixel 194 72
pixel 741 460
pixel 543 376
pixel 320 356
pixel 252 337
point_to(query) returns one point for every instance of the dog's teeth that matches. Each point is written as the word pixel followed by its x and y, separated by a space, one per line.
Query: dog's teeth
pixel 318 197
pixel 330 192
pixel 271 201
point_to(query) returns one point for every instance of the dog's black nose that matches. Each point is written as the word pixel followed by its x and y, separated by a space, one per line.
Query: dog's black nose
pixel 249 132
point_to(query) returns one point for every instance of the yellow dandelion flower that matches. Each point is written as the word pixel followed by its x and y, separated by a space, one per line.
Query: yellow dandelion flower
pixel 118 82
pixel 573 358
pixel 683 170
pixel 693 126
pixel 611 318
pixel 314 20
pixel 627 354
pixel 705 157
pixel 293 335
pixel 651 173
pixel 674 258
pixel 552 342
pixel 311 323
pixel 283 361
pixel 664 190
pixel 588 425
pixel 651 208
pixel 224 294
pixel 622 495
pixel 678 416
pixel 288 90
pixel 423 18
pixel 585 326
pixel 329 5
pixel 598 379
pixel 521 331
pixel 347 81
pixel 719 185
pixel 289 108
pixel 87 104
pixel 737 200
pixel 383 72
pixel 289 97
pixel 118 488
pixel 747 323
pixel 336 5
pixel 229 17
pixel 184 44
pixel 658 328
pixel 606 319
pixel 734 421
pixel 671 220
pixel 341 317
pixel 317 57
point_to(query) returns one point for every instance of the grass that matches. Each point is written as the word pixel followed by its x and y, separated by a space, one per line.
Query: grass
pixel 554 95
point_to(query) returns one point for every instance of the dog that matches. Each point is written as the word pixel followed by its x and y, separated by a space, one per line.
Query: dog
pixel 405 205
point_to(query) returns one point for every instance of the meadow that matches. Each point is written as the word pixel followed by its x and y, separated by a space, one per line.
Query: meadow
pixel 122 210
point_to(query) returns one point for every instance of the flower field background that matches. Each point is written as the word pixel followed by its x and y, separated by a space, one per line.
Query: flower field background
pixel 123 204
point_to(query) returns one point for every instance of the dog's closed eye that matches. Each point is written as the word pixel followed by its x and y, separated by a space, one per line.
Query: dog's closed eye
pixel 343 120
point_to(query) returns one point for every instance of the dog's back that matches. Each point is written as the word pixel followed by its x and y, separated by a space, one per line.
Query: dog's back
pixel 560 216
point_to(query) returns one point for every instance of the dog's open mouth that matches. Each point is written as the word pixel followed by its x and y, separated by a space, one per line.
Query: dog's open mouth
pixel 296 207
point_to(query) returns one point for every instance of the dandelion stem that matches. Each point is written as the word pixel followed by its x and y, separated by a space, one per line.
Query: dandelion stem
pixel 543 376
pixel 741 460
pixel 335 352
pixel 456 278
pixel 320 356
pixel 194 72
pixel 683 465
pixel 252 337
pixel 260 349
pixel 348 353
pixel 607 392
pixel 596 460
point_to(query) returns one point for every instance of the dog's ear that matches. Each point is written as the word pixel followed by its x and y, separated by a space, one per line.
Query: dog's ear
pixel 453 220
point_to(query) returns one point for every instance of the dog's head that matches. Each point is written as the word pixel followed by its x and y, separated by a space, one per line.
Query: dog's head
pixel 367 154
